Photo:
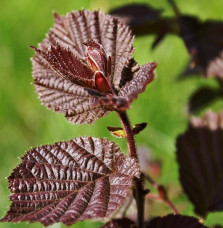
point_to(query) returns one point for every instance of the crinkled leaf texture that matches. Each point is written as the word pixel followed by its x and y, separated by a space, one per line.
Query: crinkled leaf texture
pixel 83 178
pixel 138 84
pixel 63 78
pixel 175 221
pixel 200 158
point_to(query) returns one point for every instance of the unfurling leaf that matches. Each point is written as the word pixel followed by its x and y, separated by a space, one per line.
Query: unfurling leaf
pixel 66 64
pixel 82 64
pixel 200 157
pixel 97 59
pixel 138 128
pixel 120 223
pixel 101 83
pixel 83 178
pixel 175 221
pixel 119 132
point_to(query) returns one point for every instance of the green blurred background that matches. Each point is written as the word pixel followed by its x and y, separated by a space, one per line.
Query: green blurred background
pixel 25 123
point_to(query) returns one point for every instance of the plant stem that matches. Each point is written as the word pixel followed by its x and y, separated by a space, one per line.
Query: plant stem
pixel 138 183
pixel 168 202
pixel 129 135
pixel 162 194
pixel 171 205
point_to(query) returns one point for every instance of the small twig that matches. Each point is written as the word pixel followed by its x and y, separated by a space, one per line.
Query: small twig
pixel 168 202
pixel 171 205
pixel 175 8
pixel 163 196
pixel 152 196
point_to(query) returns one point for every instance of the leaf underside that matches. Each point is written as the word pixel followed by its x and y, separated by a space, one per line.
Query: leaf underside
pixel 83 178
pixel 200 157
pixel 71 32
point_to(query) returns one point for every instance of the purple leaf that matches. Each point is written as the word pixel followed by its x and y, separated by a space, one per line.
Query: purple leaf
pixel 65 97
pixel 83 178
pixel 200 157
pixel 202 97
pixel 79 27
pixel 120 223
pixel 204 43
pixel 68 65
pixel 138 84
pixel 81 65
pixel 144 19
pixel 136 14
pixel 175 221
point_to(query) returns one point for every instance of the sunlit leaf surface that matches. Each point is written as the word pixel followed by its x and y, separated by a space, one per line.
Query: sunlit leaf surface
pixel 65 182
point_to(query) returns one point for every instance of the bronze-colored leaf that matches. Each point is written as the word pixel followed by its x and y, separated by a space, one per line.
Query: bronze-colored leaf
pixel 89 54
pixel 79 27
pixel 120 223
pixel 138 84
pixel 80 179
pixel 63 96
pixel 175 221
pixel 200 157
pixel 68 65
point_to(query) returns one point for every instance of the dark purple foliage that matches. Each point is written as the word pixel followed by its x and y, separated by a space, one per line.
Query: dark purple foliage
pixel 136 14
pixel 202 98
pixel 204 43
pixel 175 221
pixel 203 39
pixel 120 223
pixel 200 158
